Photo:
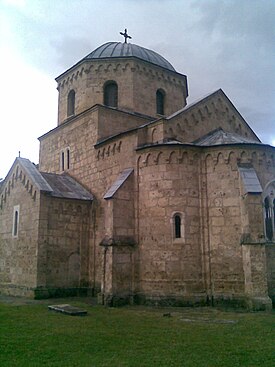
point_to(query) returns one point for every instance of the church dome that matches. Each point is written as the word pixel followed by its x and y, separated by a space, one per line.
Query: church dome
pixel 125 50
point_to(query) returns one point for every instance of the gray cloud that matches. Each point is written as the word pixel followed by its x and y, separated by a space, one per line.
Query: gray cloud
pixel 218 44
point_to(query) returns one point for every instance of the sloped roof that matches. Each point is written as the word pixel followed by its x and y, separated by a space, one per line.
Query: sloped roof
pixel 118 183
pixel 118 50
pixel 221 137
pixel 64 186
pixel 34 175
pixel 56 185
pixel 250 180
pixel 125 50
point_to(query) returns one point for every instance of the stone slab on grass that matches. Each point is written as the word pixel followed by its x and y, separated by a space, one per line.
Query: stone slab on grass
pixel 68 310
pixel 210 321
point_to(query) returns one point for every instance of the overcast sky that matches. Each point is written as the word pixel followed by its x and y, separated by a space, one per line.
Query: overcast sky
pixel 218 44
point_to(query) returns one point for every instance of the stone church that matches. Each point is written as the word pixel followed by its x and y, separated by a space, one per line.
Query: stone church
pixel 140 197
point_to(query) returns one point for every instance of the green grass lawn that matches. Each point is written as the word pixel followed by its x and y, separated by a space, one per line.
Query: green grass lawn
pixel 30 335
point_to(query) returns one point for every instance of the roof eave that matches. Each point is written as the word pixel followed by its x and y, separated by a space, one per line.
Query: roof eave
pixel 85 59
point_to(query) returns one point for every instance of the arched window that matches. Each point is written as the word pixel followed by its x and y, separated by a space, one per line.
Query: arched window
pixel 15 221
pixel 71 103
pixel 177 224
pixel 111 94
pixel 160 97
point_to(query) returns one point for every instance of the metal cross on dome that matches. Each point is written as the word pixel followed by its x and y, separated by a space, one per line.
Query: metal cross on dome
pixel 125 35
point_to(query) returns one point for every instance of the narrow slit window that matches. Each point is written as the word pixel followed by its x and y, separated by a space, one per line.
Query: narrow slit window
pixel 68 158
pixel 15 225
pixel 62 161
pixel 15 228
pixel 177 224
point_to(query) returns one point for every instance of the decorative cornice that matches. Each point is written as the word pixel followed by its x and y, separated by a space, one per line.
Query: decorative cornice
pixel 120 65
pixel 184 153
pixel 108 150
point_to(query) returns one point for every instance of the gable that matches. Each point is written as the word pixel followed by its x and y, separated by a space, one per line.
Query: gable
pixel 27 174
pixel 212 112
pixel 34 182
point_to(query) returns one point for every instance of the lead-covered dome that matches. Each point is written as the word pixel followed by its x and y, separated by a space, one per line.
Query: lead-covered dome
pixel 120 50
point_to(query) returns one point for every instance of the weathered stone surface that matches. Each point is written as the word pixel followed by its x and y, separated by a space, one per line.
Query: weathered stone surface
pixel 125 244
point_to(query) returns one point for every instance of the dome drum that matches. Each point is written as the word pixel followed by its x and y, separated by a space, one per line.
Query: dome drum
pixel 137 85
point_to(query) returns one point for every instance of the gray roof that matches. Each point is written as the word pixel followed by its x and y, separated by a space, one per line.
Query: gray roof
pixel 64 186
pixel 126 50
pixel 118 183
pixel 250 180
pixel 221 137
pixel 34 174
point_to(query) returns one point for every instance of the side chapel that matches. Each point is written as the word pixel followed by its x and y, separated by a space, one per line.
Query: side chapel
pixel 140 197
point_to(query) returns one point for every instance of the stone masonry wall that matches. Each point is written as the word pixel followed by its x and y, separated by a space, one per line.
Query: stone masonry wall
pixel 262 256
pixel 123 212
pixel 224 226
pixel 199 119
pixel 235 270
pixel 148 79
pixel 119 251
pixel 64 245
pixel 112 122
pixel 134 91
pixel 203 188
pixel 79 136
pixel 124 263
pixel 170 268
pixel 18 254
pixel 116 217
pixel 96 169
